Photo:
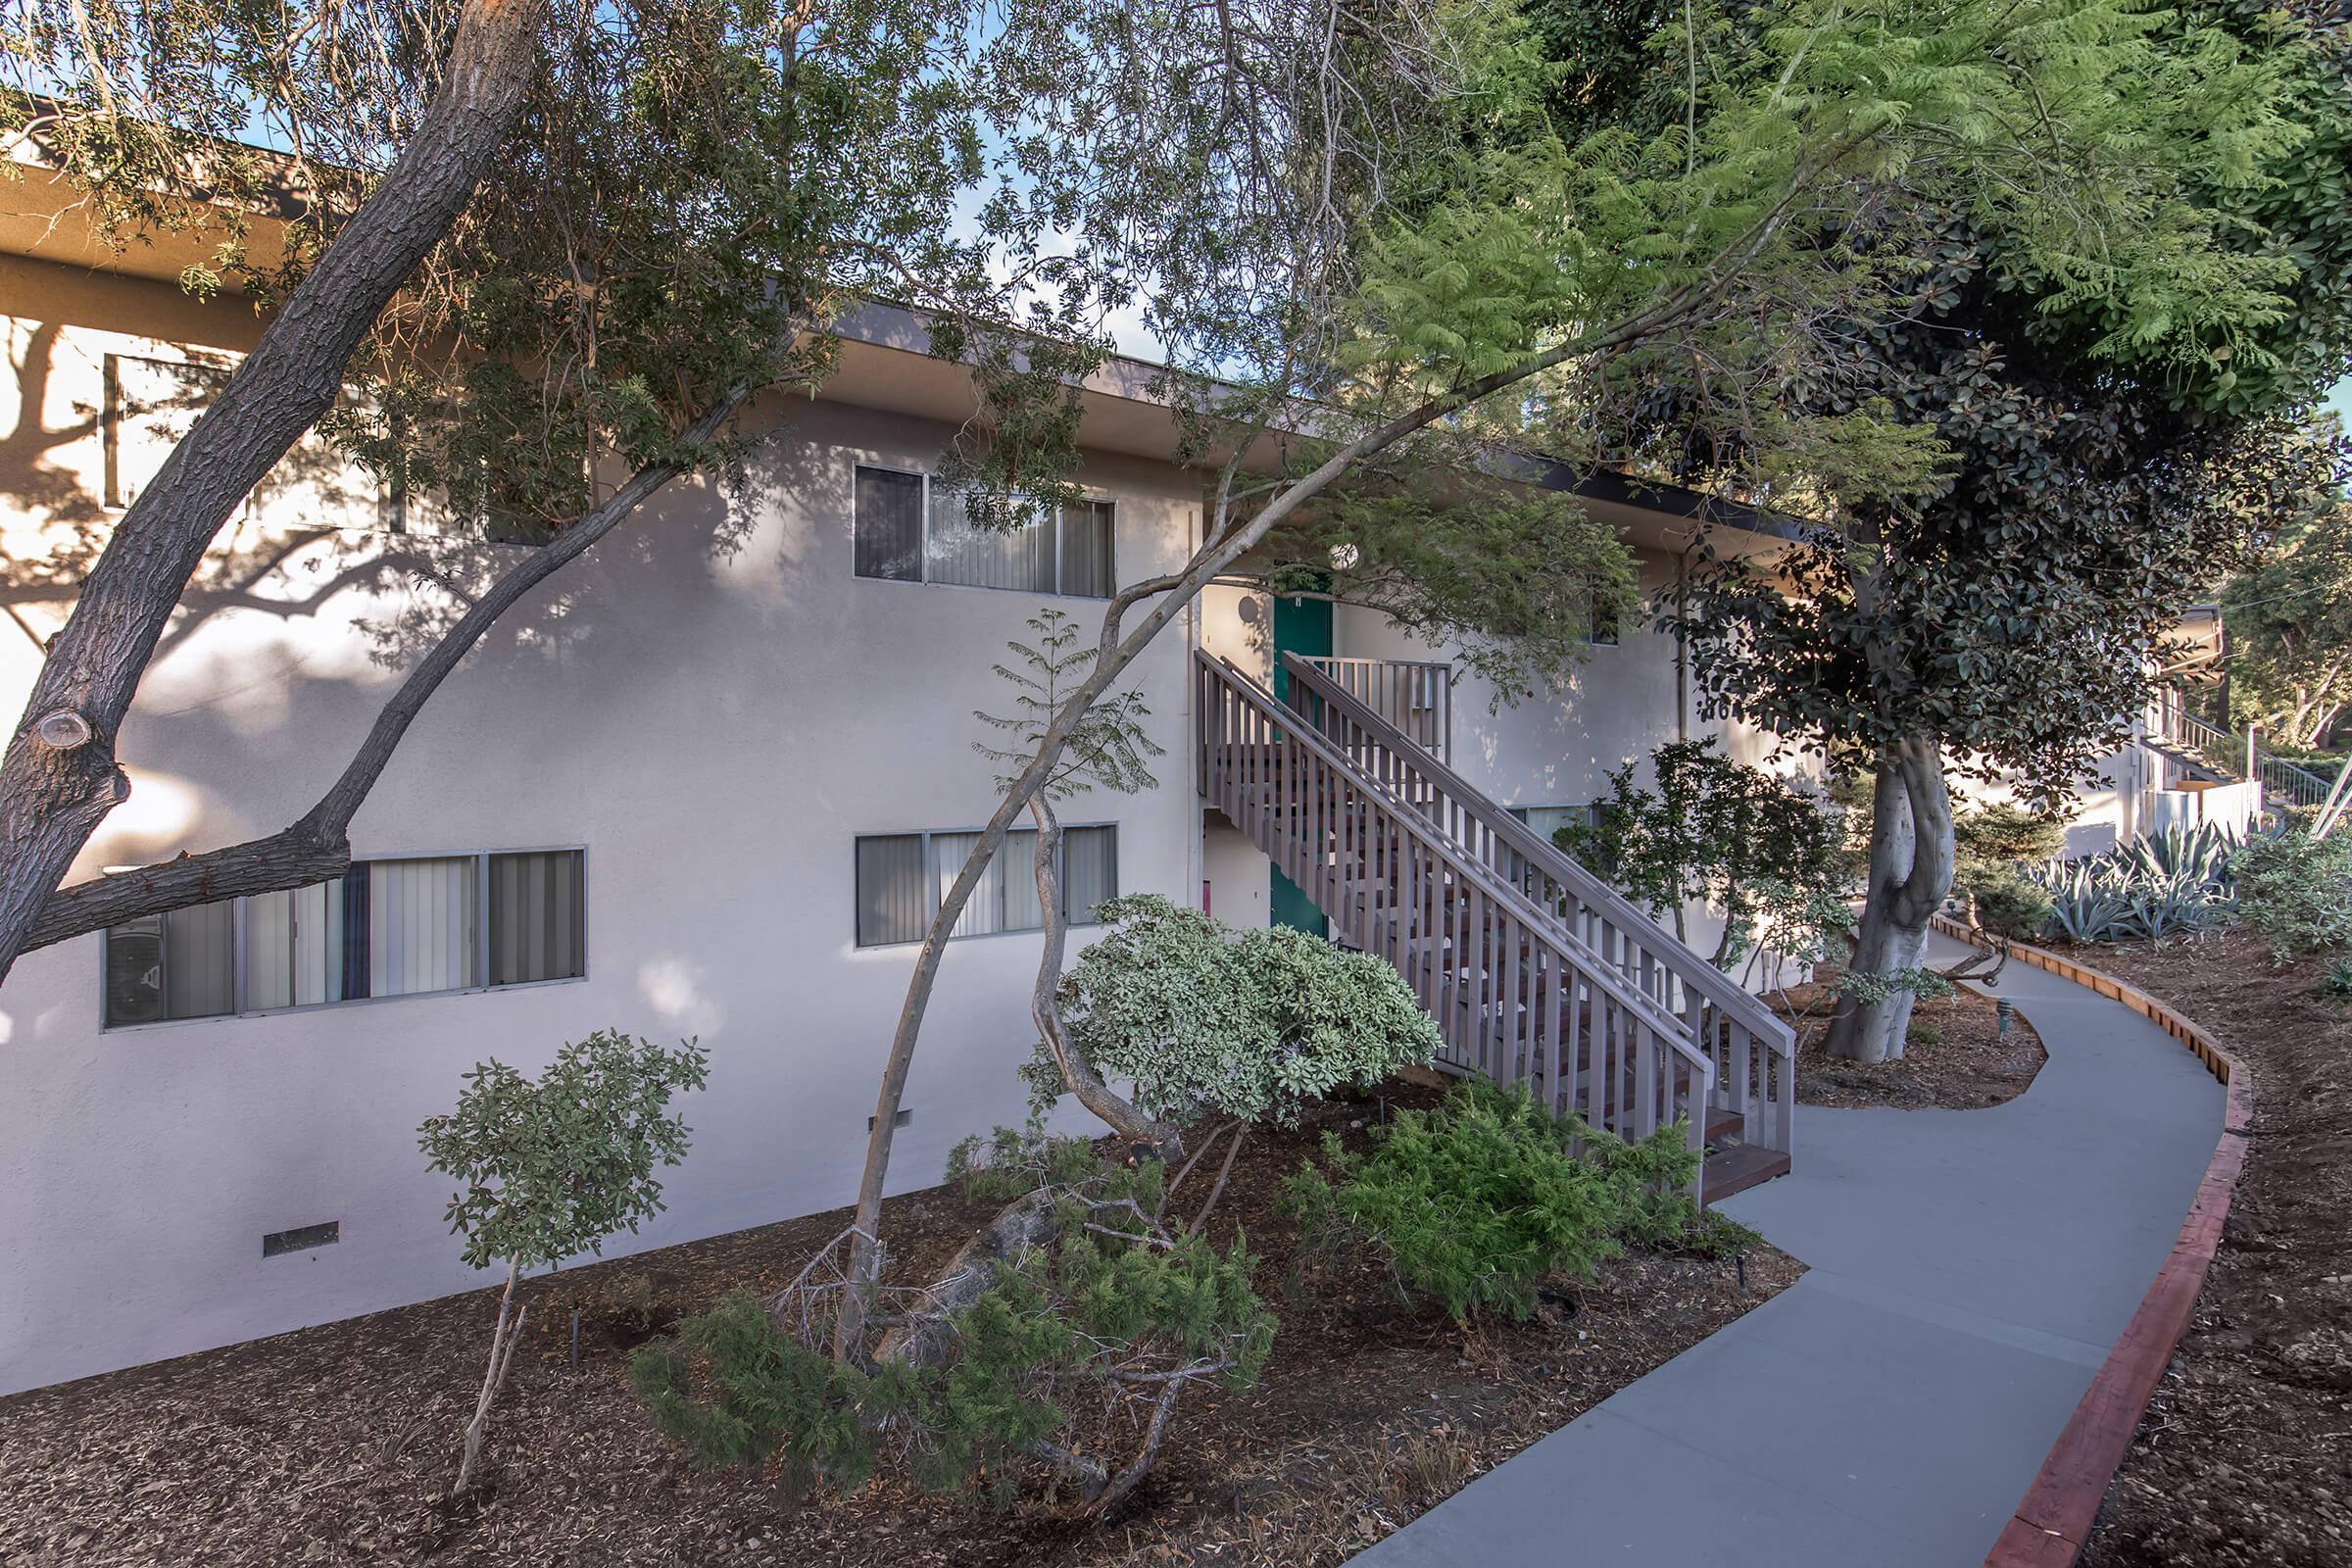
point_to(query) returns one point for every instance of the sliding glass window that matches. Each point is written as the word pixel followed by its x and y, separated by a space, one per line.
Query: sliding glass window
pixel 908 527
pixel 410 926
pixel 902 878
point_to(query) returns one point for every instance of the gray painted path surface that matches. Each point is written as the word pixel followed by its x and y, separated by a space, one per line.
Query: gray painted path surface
pixel 1969 1271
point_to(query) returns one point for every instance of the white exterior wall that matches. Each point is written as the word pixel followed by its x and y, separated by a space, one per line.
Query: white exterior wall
pixel 1558 750
pixel 711 702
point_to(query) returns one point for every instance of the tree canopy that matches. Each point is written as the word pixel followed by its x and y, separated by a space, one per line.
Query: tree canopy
pixel 2289 623
pixel 2007 478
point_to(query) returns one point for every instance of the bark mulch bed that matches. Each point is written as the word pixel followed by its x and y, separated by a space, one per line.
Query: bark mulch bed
pixel 329 1445
pixel 1956 1058
pixel 2246 1455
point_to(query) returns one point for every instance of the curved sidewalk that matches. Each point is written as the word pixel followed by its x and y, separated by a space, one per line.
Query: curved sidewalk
pixel 1969 1270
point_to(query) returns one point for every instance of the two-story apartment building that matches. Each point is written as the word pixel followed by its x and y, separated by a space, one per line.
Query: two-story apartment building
pixel 704 782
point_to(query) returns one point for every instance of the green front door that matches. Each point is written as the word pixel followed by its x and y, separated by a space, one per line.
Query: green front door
pixel 1301 626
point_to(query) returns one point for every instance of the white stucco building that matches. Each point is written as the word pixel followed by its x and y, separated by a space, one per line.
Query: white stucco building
pixel 695 785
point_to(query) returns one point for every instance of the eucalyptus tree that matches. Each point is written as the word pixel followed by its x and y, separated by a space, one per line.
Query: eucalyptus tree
pixel 690 196
pixel 1432 276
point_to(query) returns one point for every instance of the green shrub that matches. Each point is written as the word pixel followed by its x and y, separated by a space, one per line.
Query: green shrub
pixel 2009 905
pixel 1477 1201
pixel 2295 891
pixel 1991 847
pixel 1199 1016
pixel 2338 981
pixel 1925 1034
pixel 1109 1296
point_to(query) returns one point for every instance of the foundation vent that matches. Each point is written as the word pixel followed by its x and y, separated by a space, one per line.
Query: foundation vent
pixel 301 1238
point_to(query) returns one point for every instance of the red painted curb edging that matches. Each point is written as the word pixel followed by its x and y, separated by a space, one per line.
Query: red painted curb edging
pixel 2059 1508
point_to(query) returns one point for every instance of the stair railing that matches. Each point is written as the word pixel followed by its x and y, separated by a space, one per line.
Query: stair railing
pixel 1754 1051
pixel 2229 752
pixel 1516 995
pixel 1415 695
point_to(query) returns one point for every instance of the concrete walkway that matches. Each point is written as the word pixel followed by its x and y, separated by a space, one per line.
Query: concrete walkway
pixel 1969 1271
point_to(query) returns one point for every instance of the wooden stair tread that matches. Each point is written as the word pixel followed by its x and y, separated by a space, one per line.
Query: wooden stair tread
pixel 1723 1123
pixel 1737 1167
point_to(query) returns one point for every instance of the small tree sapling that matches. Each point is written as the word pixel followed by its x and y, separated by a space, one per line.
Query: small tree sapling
pixel 554 1166
pixel 1763 852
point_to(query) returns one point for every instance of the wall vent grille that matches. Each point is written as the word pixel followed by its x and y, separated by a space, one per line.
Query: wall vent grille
pixel 301 1238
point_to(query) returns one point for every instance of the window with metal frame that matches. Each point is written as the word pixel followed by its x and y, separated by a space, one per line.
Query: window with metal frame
pixel 904 877
pixel 392 926
pixel 907 527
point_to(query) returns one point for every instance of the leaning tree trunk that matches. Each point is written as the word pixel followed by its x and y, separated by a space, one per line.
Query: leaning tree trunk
pixel 1123 1118
pixel 60 777
pixel 1910 872
pixel 318 846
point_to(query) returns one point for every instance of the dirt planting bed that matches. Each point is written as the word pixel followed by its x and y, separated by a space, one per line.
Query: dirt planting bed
pixel 330 1445
pixel 2246 1455
pixel 1957 1058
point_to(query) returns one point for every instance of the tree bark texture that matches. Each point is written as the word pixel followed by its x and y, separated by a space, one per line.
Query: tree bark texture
pixel 1910 872
pixel 503 1341
pixel 52 796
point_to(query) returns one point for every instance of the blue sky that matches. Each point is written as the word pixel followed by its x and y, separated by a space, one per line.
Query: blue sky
pixel 2340 400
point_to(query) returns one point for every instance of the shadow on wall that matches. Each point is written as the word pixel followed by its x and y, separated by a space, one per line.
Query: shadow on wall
pixel 291 634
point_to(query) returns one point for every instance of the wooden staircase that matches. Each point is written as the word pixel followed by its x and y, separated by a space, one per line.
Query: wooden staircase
pixel 1536 972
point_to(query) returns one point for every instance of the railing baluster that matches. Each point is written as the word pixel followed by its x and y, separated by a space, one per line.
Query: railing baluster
pixel 1528 978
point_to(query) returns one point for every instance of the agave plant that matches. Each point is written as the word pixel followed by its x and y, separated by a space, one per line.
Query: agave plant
pixel 2168 883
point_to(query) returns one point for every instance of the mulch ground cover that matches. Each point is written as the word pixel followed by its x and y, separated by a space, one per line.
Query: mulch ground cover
pixel 332 1446
pixel 2246 1455
pixel 1957 1056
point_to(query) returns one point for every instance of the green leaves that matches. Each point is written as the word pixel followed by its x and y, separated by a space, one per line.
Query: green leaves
pixel 2295 891
pixel 552 1167
pixel 1108 747
pixel 1253 1024
pixel 1512 583
pixel 1728 835
pixel 2290 628
pixel 1480 1200
pixel 1112 1308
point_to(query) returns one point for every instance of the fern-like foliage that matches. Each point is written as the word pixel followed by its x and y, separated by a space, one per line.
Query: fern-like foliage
pixel 1110 748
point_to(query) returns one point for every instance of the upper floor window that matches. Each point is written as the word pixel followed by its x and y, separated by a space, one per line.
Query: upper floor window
pixel 412 926
pixel 902 878
pixel 909 529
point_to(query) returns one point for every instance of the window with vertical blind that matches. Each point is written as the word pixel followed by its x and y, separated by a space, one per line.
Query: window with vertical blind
pixel 415 925
pixel 902 878
pixel 907 527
